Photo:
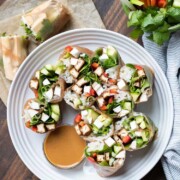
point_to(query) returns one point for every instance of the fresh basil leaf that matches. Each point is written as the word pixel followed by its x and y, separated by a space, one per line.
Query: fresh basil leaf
pixel 136 33
pixel 136 18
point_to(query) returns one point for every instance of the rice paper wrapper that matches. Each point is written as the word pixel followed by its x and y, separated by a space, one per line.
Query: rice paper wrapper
pixel 47 19
pixel 150 76
pixel 11 25
pixel 104 171
pixel 93 137
pixel 151 126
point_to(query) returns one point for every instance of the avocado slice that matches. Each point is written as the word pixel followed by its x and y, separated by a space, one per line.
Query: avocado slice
pixel 93 114
pixel 139 119
pixel 104 163
pixel 127 106
pixel 45 71
pixel 55 116
pixel 137 2
pixel 135 96
pixel 55 108
pixel 107 121
pixel 145 85
pixel 49 67
pixel 112 53
pixel 117 149
pixel 77 102
pixel 139 142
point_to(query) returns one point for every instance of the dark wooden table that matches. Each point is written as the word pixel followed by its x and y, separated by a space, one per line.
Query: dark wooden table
pixel 11 166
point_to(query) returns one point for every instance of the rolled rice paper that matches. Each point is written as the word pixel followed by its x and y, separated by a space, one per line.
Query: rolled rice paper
pixel 45 20
pixel 94 125
pixel 13 53
pixel 138 79
pixel 47 86
pixel 136 131
pixel 71 62
pixel 106 159
pixel 41 117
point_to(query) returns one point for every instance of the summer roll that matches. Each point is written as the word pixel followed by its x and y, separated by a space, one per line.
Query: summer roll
pixel 136 131
pixel 45 20
pixel 41 117
pixel 13 52
pixel 47 86
pixel 92 125
pixel 73 63
pixel 115 103
pixel 106 63
pixel 138 79
pixel 107 156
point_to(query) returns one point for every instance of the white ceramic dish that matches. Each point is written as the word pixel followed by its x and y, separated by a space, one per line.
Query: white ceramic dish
pixel 29 144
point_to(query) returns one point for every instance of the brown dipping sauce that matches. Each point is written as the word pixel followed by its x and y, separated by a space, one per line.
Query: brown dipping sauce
pixel 64 148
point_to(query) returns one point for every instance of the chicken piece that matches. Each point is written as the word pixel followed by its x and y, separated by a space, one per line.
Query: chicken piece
pixel 123 113
pixel 117 139
pixel 34 84
pixel 100 101
pixel 143 97
pixel 100 158
pixel 141 73
pixel 103 78
pixel 74 73
pixel 79 64
pixel 81 81
pixel 106 94
pixel 85 130
pixel 137 84
pixel 41 128
pixel 99 71
pixel 77 89
pixel 123 133
pixel 50 126
pixel 77 128
pixel 107 156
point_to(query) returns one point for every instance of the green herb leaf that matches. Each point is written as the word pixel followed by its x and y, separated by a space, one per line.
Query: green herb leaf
pixel 136 33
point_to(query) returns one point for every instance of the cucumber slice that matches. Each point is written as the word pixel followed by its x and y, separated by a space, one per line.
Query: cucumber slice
pixel 49 67
pixel 135 96
pixel 55 108
pixel 45 71
pixel 112 53
pixel 92 114
pixel 145 85
pixel 113 154
pixel 107 121
pixel 142 125
pixel 104 163
pixel 127 106
pixel 111 160
pixel 139 119
pixel 139 142
pixel 55 116
pixel 117 149
pixel 77 102
pixel 59 70
pixel 144 137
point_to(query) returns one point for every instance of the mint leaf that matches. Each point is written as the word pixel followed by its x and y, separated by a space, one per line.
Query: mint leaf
pixel 136 33
pixel 136 18
pixel 160 37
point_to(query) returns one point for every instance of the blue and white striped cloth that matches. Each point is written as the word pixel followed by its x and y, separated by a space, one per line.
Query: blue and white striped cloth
pixel 168 57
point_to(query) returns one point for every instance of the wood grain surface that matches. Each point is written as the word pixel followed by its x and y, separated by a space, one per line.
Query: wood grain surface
pixel 11 166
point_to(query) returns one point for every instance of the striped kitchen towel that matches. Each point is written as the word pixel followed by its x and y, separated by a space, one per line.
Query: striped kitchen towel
pixel 168 57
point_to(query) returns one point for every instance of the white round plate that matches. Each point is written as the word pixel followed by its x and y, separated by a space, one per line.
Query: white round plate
pixel 29 144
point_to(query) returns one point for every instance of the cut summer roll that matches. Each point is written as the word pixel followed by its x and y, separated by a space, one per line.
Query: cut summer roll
pixel 138 79
pixel 107 156
pixel 47 85
pixel 41 117
pixel 115 103
pixel 93 125
pixel 14 52
pixel 106 63
pixel 135 131
pixel 45 20
pixel 73 63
